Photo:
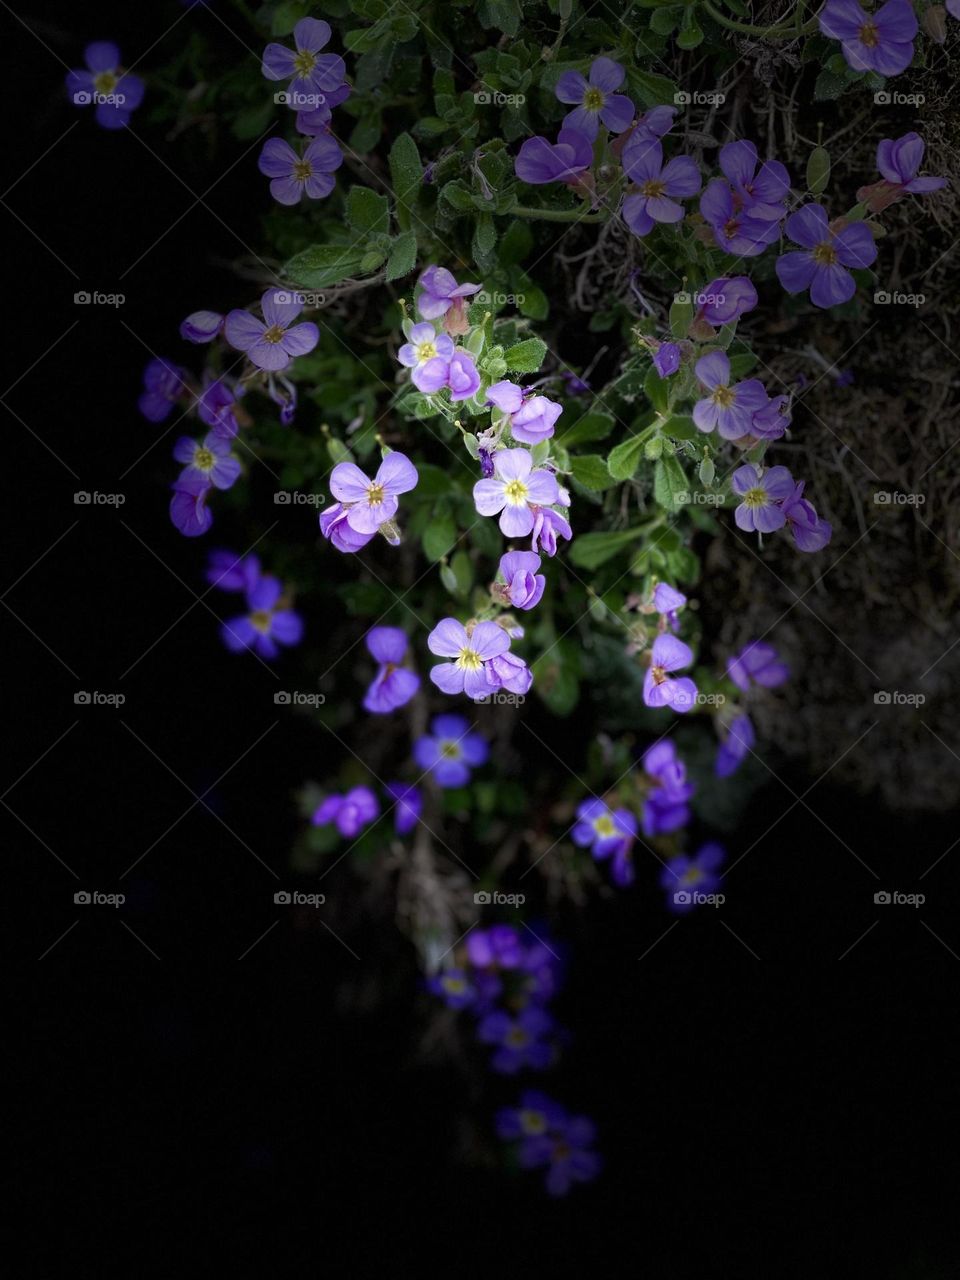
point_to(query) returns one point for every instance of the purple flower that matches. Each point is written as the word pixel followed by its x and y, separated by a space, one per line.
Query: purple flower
pixel 880 41
pixel 666 359
pixel 547 525
pixel 393 686
pixel 270 343
pixel 736 746
pixel 201 326
pixel 680 177
pixel 536 1116
pixel 596 99
pixel 335 527
pixel 268 623
pixel 440 292
pixel 317 120
pixel 725 300
pixel 210 458
pixel 655 123
pixel 821 264
pixel 217 406
pixel 565 1153
pixel 163 385
pixel 757 662
pixel 530 419
pixel 729 408
pixel 283 393
pixel 471 652
pixel 116 93
pixel 454 987
pixel 498 947
pixel 736 229
pixel 230 572
pixel 462 376
pixel 507 671
pixel 577 385
pixel 566 160
pixel 295 176
pixel 606 832
pixel 684 877
pixel 450 751
pixel 514 491
pixel 668 601
pixel 188 506
pixel 660 687
pixel 311 74
pixel 899 162
pixel 810 533
pixel 372 503
pixel 761 194
pixel 522 1040
pixel 408 806
pixel 350 813
pixel 428 354
pixel 665 808
pixel 523 585
pixel 760 511
pixel 771 421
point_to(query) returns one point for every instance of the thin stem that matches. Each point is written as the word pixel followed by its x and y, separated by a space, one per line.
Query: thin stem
pixel 780 31
pixel 556 215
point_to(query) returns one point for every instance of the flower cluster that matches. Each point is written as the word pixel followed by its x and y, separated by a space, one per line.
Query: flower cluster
pixel 546 1137
pixel 269 620
pixel 354 810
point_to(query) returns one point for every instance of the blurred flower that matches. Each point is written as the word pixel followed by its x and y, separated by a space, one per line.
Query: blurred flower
pixel 683 876
pixel 116 93
pixel 393 686
pixel 522 1040
pixel 735 747
pixel 757 662
pixel 450 751
pixel 267 624
pixel 163 385
pixel 350 813
pixel 409 806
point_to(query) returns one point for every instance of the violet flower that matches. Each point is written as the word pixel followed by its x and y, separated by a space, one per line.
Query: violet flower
pixel 523 586
pixel 116 93
pixel 881 41
pixel 409 806
pixel 660 687
pixel 666 359
pixel 725 300
pixel 566 160
pixel 428 354
pixel 201 326
pixel 607 833
pixel 271 343
pixel 535 1116
pixel 454 987
pixel 668 601
pixel 596 99
pixel 757 662
pixel 230 572
pixel 821 265
pixel 548 525
pixel 311 74
pixel 294 175
pixel 810 533
pixel 514 490
pixel 188 506
pixel 316 120
pixel 335 528
pixel 684 876
pixel 163 385
pixel 566 1154
pixel 735 229
pixel 659 183
pixel 267 624
pixel 469 652
pixel 666 807
pixel 735 747
pixel 450 751
pixel 350 813
pixel 372 503
pixel 760 193
pixel 210 458
pixel 730 407
pixel 393 686
pixel 762 494
pixel 440 292
pixel 463 380
pixel 522 1041
pixel 217 405
pixel 530 418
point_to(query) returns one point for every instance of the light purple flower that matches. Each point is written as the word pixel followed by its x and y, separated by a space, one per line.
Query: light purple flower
pixel 668 601
pixel 267 624
pixel 462 376
pixel 163 385
pixel 230 572
pixel 730 406
pixel 659 183
pixel 294 175
pixel 660 687
pixel 450 751
pixel 316 121
pixel 428 354
pixel 188 506
pixel 881 41
pixel 201 326
pixel 371 503
pixel 283 392
pixel 336 529
pixel 666 359
pixel 210 458
pixel 666 807
pixel 685 876
pixel 270 343
pixel 566 160
pixel 548 524
pixel 531 418
pixel 810 533
pixel 596 99
pixel 311 74
pixel 771 421
pixel 762 496
pixel 350 813
pixel 899 162
pixel 393 686
pixel 507 671
pixel 735 747
pixel 470 652
pixel 821 265
pixel 514 490
pixel 409 806
pixel 217 406
pixel 116 93
pixel 523 585
pixel 757 662
pixel 725 300
pixel 736 229
pixel 440 292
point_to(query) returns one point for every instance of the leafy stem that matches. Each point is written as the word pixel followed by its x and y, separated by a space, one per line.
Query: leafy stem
pixel 779 31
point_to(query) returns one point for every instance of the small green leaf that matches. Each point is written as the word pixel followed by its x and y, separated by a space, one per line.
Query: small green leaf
pixel 587 428
pixel 818 171
pixel 324 264
pixel 671 488
pixel 406 174
pixel 439 536
pixel 526 356
pixel 625 458
pixel 591 471
pixel 403 256
pixel 591 550
pixel 368 210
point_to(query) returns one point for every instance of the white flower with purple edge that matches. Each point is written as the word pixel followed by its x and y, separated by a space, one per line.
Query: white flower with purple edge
pixel 514 490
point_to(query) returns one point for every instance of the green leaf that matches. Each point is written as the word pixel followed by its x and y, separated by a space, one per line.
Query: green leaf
pixel 406 174
pixel 403 256
pixel 439 536
pixel 502 15
pixel 484 241
pixel 526 356
pixel 657 390
pixel 368 210
pixel 287 15
pixel 671 488
pixel 625 458
pixel 587 428
pixel 818 171
pixel 681 427
pixel 555 679
pixel 324 264
pixel 652 90
pixel 828 86
pixel 591 471
pixel 591 550
pixel 515 243
pixel 462 567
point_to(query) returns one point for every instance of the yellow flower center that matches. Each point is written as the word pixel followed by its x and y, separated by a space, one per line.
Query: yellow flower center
pixel 517 1037
pixel 425 351
pixel 825 254
pixel 533 1121
pixel 604 826
pixel 869 35
pixel 456 986
pixel 274 334
pixel 105 82
pixel 515 493
pixel 304 62
pixel 659 674
pixel 755 498
pixel 204 459
pixel 302 170
pixel 374 495
pixel 653 189
pixel 260 619
pixel 469 660
pixel 450 750
pixel 691 876
pixel 723 397
pixel 594 99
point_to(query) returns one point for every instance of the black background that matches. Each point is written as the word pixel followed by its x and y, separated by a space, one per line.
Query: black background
pixel 774 1090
